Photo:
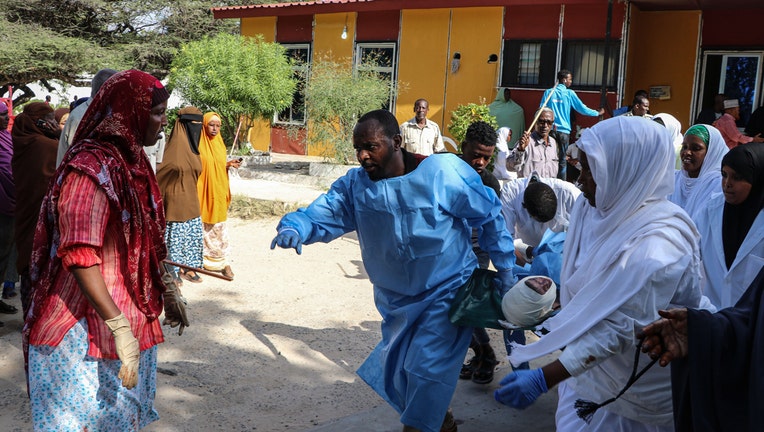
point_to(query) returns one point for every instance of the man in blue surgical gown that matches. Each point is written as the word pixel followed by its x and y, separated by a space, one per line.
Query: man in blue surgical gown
pixel 414 218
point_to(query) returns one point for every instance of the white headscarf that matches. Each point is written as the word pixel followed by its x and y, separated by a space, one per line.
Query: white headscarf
pixel 692 193
pixel 502 151
pixel 631 161
pixel 675 129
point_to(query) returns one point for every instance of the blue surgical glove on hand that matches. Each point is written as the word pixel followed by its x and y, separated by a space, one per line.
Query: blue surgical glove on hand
pixel 507 280
pixel 288 238
pixel 521 388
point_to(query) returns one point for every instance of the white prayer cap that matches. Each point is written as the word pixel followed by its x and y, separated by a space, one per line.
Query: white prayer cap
pixel 731 103
pixel 523 306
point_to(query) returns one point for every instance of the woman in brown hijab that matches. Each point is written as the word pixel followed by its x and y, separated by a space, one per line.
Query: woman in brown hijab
pixel 177 176
pixel 61 115
pixel 35 143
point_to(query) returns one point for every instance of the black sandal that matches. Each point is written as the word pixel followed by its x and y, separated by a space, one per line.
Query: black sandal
pixel 484 371
pixel 469 368
pixel 190 276
pixel 449 423
pixel 7 309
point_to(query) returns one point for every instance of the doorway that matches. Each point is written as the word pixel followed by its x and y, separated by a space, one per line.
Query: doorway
pixel 736 74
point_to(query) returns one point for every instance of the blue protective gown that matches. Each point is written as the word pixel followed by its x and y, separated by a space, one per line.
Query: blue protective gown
pixel 414 232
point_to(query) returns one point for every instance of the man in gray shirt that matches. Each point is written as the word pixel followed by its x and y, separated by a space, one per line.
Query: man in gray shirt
pixel 536 151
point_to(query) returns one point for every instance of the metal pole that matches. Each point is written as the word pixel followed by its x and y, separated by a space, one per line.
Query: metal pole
pixel 603 89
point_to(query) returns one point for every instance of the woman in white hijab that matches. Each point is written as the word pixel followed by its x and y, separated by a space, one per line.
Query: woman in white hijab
pixel 701 175
pixel 675 129
pixel 629 252
pixel 502 151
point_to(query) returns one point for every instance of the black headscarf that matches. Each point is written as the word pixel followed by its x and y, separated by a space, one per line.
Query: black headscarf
pixel 193 125
pixel 748 162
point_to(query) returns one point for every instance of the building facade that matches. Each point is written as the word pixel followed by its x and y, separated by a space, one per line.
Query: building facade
pixel 454 52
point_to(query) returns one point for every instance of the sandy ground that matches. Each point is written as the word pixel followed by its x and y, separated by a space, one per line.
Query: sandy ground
pixel 275 350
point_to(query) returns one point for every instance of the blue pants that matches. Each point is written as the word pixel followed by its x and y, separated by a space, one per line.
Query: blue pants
pixel 562 143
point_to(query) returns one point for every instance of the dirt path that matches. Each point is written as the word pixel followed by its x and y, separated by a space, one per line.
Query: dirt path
pixel 275 350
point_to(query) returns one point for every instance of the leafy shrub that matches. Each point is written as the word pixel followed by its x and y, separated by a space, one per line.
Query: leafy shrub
pixel 464 115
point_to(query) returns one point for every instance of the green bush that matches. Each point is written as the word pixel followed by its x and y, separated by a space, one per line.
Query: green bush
pixel 464 115
pixel 335 96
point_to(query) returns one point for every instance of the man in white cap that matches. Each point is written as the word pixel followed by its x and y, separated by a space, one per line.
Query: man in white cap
pixel 727 126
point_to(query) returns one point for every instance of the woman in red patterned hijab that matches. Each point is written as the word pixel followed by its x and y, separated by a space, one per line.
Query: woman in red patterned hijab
pixel 92 327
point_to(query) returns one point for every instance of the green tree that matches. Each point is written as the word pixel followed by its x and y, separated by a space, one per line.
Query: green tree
pixel 335 97
pixel 44 40
pixel 234 76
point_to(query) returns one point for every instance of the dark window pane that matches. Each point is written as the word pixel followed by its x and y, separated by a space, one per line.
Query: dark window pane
pixel 300 58
pixel 379 58
pixel 740 82
pixel 528 63
pixel 587 59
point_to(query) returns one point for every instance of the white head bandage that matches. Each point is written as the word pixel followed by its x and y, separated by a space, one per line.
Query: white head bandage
pixel 524 306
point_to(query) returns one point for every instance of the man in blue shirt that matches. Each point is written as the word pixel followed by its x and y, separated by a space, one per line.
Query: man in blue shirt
pixel 414 218
pixel 561 102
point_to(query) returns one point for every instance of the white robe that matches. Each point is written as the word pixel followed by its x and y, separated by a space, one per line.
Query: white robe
pixel 520 224
pixel 633 254
pixel 722 286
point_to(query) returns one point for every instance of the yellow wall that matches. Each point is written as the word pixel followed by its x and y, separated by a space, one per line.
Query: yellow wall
pixel 475 34
pixel 422 59
pixel 265 26
pixel 328 43
pixel 259 135
pixel 663 51
pixel 426 51
pixel 326 36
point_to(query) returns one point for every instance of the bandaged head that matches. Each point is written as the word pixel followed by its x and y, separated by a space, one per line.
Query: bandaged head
pixel 529 301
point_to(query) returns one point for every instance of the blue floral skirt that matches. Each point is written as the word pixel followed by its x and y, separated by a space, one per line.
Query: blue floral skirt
pixel 185 242
pixel 71 391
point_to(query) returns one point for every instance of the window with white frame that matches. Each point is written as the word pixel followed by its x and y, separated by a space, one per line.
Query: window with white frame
pixel 299 55
pixel 381 58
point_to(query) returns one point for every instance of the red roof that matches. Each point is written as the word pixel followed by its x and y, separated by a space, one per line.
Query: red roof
pixel 335 6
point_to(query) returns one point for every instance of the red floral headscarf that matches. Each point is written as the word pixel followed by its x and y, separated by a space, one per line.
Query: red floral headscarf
pixel 108 147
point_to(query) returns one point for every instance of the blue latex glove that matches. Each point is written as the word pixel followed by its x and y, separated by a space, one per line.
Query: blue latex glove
pixel 507 280
pixel 288 238
pixel 521 388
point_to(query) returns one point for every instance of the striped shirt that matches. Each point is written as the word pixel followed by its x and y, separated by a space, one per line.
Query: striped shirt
pixel 87 239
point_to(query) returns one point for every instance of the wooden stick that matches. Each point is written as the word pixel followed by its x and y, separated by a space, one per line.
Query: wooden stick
pixel 538 113
pixel 198 270
pixel 235 138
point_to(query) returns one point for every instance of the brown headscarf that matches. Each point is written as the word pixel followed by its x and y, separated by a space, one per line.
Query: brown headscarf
pixel 59 113
pixel 180 168
pixel 33 163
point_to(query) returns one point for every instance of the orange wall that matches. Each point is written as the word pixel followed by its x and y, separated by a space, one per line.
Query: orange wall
pixel 475 81
pixel 259 135
pixel 421 62
pixel 663 51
